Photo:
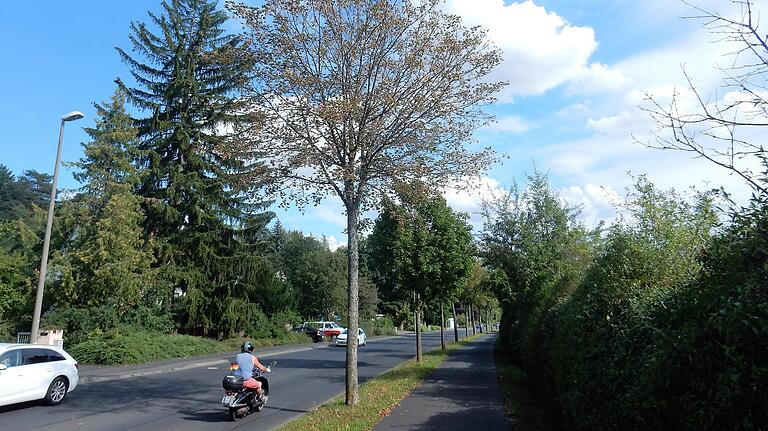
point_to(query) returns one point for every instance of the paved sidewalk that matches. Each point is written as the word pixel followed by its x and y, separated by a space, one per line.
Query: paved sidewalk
pixel 462 394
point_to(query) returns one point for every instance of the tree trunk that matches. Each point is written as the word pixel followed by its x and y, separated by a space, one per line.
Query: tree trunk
pixel 472 320
pixel 466 320
pixel 455 323
pixel 480 320
pixel 352 306
pixel 442 326
pixel 418 335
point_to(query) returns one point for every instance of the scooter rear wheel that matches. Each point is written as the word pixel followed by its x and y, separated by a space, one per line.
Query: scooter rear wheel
pixel 235 415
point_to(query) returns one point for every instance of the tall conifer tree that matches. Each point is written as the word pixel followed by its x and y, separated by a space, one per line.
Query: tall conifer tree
pixel 198 176
pixel 105 259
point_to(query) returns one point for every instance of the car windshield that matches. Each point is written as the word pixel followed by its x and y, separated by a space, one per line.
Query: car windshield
pixel 334 325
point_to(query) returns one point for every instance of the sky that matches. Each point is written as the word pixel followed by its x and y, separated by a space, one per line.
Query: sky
pixel 578 70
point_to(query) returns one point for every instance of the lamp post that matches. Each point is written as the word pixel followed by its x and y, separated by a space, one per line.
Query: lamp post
pixel 72 116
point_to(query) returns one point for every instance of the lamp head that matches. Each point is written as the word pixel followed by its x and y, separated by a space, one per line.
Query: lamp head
pixel 72 116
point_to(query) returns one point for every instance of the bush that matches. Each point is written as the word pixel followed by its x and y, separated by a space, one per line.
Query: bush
pixel 82 324
pixel 380 326
pixel 666 328
pixel 277 326
pixel 670 349
pixel 123 346
pixel 234 344
pixel 6 332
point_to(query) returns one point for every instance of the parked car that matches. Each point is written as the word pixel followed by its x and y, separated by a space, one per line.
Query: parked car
pixel 327 329
pixel 362 339
pixel 30 372
pixel 311 331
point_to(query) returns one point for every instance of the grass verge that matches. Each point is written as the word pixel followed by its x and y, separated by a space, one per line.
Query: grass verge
pixel 524 412
pixel 378 396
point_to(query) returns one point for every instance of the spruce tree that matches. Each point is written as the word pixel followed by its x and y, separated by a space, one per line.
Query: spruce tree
pixel 107 165
pixel 107 260
pixel 197 177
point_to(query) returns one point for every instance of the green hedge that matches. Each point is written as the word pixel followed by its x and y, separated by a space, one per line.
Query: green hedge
pixel 633 347
pixel 126 346
pixel 662 326
pixel 122 348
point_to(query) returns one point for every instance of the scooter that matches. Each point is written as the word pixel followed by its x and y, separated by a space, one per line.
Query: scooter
pixel 240 400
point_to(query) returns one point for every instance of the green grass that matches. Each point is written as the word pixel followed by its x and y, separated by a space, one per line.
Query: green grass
pixel 138 347
pixel 525 413
pixel 378 396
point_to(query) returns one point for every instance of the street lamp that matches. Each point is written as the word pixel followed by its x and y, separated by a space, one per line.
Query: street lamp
pixel 72 116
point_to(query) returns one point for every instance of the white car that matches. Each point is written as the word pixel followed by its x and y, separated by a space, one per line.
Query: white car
pixel 362 339
pixel 31 372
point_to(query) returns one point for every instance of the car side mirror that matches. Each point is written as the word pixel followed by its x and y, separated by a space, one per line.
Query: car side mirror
pixel 3 367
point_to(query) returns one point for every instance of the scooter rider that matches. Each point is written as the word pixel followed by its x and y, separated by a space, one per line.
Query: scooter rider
pixel 246 361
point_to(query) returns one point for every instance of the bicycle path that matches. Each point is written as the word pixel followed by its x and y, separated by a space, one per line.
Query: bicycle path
pixel 462 394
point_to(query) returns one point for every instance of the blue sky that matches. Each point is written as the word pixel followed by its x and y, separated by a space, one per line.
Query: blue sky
pixel 578 70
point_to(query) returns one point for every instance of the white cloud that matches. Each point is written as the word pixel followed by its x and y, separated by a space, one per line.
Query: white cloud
pixel 575 110
pixel 541 49
pixel 610 160
pixel 623 123
pixel 613 117
pixel 468 196
pixel 597 78
pixel 596 202
pixel 334 244
pixel 332 212
pixel 510 124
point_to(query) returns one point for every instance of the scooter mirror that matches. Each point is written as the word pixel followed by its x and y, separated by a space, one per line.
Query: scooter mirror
pixel 272 364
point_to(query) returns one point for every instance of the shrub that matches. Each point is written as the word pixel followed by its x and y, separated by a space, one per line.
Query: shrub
pixel 6 329
pixel 124 346
pixel 380 326
pixel 665 329
pixel 81 324
pixel 276 326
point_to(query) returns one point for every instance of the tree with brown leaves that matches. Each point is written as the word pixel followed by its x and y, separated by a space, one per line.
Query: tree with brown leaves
pixel 358 96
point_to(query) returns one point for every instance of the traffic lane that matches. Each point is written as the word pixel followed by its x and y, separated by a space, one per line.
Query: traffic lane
pixel 306 380
pixel 188 399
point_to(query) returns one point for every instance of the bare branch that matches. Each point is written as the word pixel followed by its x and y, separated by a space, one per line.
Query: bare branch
pixel 715 130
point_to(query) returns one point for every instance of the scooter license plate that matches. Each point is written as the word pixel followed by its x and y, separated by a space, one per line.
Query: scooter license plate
pixel 228 399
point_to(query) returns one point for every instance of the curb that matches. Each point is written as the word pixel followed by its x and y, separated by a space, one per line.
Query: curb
pixel 84 380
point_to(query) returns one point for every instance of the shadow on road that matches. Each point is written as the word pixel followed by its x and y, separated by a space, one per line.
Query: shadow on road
pixel 324 364
pixel 208 416
pixel 20 406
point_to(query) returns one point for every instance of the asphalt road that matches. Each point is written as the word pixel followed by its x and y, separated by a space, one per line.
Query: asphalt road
pixel 189 399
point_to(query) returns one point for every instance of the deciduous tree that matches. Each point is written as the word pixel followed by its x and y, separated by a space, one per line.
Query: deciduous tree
pixel 358 95
pixel 426 249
